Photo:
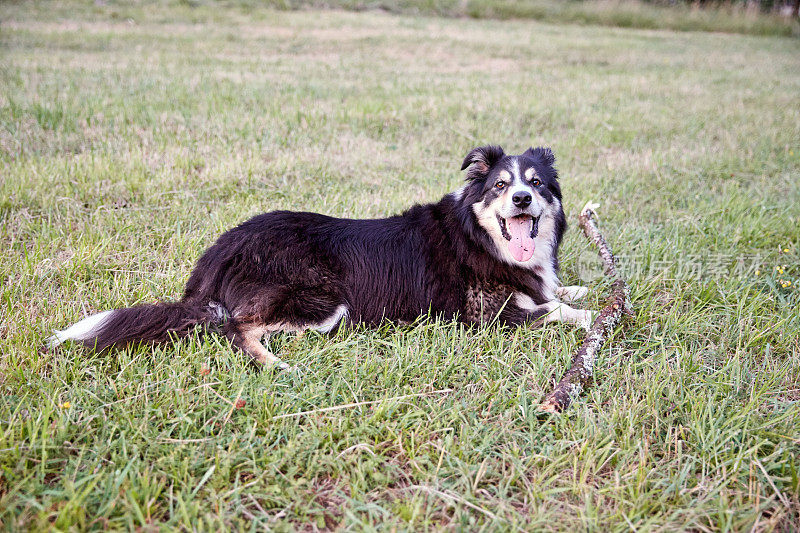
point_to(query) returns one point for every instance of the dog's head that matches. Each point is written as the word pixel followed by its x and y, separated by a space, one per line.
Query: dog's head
pixel 517 200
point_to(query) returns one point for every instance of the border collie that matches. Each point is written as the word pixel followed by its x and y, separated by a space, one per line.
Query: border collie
pixel 485 251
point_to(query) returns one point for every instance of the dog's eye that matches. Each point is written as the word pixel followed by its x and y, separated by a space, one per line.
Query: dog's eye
pixel 535 182
pixel 500 185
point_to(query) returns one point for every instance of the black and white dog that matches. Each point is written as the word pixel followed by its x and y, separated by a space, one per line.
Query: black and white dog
pixel 486 250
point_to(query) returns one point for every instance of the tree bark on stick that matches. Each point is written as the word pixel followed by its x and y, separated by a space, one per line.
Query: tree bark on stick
pixel 582 369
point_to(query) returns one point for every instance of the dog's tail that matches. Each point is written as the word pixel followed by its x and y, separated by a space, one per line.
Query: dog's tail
pixel 151 324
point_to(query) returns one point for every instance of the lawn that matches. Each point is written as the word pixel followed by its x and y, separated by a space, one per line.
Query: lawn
pixel 130 137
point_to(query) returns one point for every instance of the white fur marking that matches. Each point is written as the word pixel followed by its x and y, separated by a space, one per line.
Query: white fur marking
pixel 338 315
pixel 82 330
pixel 525 302
pixel 515 169
pixel 328 324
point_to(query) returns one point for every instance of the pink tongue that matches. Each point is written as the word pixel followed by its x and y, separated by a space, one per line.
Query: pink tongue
pixel 521 244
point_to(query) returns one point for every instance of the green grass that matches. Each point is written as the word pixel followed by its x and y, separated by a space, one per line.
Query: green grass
pixel 128 143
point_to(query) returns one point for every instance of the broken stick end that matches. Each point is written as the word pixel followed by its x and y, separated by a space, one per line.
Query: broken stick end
pixel 590 207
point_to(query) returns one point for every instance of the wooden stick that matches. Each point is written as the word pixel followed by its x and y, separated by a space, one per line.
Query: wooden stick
pixel 582 369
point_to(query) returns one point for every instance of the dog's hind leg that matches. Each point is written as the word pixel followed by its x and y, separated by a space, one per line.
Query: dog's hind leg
pixel 247 337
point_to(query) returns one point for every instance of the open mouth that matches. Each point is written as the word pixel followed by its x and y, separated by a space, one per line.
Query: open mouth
pixel 520 231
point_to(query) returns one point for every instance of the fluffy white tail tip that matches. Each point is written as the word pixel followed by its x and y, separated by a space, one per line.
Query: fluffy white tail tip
pixel 85 329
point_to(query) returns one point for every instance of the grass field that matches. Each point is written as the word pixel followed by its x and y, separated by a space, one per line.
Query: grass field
pixel 129 142
pixel 732 17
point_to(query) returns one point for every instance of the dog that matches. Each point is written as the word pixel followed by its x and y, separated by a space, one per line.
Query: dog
pixel 486 251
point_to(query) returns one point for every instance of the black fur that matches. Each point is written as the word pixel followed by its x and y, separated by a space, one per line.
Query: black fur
pixel 296 268
pixel 148 324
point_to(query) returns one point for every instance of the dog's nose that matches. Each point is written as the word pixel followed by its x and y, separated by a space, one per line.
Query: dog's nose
pixel 521 199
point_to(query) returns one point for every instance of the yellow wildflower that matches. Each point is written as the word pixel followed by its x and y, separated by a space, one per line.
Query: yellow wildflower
pixel 65 405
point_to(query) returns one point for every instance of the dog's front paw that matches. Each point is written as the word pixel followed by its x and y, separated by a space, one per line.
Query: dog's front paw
pixel 572 292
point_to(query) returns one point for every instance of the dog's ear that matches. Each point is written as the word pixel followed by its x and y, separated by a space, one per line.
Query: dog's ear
pixel 543 155
pixel 482 159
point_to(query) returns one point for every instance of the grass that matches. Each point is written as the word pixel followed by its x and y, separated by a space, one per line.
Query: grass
pixel 127 144
pixel 730 17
